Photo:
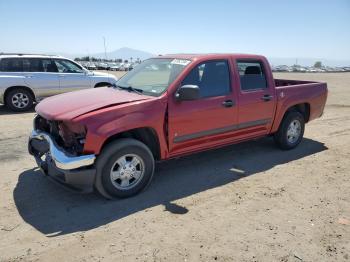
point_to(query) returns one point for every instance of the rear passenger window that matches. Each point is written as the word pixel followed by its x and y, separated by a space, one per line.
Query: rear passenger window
pixel 252 75
pixel 32 65
pixel 212 78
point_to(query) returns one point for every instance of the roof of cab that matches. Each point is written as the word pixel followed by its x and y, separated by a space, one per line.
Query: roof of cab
pixel 211 56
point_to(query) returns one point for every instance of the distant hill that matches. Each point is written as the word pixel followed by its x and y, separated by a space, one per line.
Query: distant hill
pixel 124 53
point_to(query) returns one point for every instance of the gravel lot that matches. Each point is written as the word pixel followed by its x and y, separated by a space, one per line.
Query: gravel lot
pixel 246 202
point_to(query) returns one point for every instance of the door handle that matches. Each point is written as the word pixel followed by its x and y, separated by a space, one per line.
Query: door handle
pixel 61 75
pixel 29 76
pixel 228 103
pixel 267 98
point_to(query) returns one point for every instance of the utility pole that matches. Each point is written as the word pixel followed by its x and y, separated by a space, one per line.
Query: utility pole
pixel 104 44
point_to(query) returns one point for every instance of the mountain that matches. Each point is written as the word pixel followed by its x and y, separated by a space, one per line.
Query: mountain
pixel 124 53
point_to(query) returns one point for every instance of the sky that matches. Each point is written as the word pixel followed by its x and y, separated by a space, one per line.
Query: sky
pixel 295 28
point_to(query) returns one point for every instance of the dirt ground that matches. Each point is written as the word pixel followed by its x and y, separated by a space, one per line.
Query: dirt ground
pixel 246 202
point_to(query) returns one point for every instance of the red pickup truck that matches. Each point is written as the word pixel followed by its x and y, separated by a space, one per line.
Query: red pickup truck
pixel 169 106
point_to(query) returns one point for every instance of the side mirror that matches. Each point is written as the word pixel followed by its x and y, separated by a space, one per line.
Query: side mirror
pixel 187 93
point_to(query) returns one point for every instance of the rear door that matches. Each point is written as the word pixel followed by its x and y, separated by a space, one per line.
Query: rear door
pixel 256 98
pixel 41 75
pixel 209 120
pixel 72 77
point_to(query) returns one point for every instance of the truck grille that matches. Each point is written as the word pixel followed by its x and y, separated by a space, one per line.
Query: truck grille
pixel 50 127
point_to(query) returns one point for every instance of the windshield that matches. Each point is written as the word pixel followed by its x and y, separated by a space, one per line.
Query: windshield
pixel 153 76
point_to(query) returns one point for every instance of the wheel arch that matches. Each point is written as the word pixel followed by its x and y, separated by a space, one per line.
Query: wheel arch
pixel 146 135
pixel 9 89
pixel 303 108
pixel 101 84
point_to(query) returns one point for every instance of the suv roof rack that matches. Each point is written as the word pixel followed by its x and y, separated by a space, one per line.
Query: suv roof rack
pixel 21 54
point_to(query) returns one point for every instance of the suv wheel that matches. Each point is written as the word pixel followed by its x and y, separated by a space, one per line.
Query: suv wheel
pixel 124 168
pixel 291 131
pixel 19 100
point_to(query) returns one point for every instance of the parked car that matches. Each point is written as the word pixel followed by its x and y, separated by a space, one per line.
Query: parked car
pixel 131 66
pixel 102 66
pixel 283 68
pixel 90 66
pixel 115 67
pixel 127 66
pixel 26 79
pixel 110 138
pixel 122 67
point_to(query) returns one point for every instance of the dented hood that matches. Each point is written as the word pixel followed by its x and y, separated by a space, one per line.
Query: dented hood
pixel 71 105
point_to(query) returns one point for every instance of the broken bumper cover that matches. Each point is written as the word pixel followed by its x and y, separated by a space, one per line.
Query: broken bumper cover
pixel 75 172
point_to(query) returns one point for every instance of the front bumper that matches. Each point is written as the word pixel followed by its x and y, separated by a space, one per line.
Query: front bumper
pixel 76 172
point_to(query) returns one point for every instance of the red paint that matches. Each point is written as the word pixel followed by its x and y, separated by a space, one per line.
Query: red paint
pixel 106 112
pixel 70 105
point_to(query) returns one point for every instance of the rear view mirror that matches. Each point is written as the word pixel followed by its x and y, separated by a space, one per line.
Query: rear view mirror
pixel 187 93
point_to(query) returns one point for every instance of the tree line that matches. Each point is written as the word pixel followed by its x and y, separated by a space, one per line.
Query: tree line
pixel 117 60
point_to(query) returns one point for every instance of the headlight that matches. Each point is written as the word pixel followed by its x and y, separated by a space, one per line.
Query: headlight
pixel 75 128
pixel 73 135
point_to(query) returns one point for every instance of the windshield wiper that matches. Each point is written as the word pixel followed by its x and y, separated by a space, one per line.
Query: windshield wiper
pixel 131 89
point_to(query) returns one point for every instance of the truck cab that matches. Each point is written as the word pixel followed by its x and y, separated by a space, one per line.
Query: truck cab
pixel 236 101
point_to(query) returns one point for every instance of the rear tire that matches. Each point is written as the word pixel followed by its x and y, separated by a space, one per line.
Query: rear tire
pixel 19 100
pixel 291 131
pixel 124 168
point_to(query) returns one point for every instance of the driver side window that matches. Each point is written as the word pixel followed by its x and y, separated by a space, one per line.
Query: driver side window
pixel 212 78
pixel 65 66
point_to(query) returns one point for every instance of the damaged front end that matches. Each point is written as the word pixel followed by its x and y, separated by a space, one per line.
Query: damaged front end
pixel 58 150
pixel 69 136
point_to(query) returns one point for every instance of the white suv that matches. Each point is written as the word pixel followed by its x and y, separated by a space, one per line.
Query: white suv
pixel 26 79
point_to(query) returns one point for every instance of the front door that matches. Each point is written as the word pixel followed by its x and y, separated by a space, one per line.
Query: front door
pixel 71 76
pixel 209 120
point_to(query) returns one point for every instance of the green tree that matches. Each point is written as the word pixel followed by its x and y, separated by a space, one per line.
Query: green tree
pixel 318 64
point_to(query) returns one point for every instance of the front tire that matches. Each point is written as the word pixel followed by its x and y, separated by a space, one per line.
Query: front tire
pixel 124 168
pixel 19 100
pixel 291 131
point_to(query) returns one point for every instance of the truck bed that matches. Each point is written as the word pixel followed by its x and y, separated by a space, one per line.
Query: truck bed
pixel 292 92
pixel 285 82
